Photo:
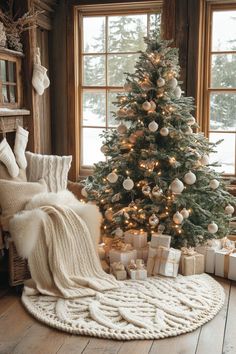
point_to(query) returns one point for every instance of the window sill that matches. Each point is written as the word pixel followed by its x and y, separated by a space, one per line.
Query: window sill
pixel 8 112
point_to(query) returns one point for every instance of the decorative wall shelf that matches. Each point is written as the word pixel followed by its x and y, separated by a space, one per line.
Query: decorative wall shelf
pixel 10 118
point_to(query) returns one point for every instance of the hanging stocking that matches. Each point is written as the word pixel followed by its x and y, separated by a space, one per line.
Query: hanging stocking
pixel 21 141
pixel 8 159
pixel 40 80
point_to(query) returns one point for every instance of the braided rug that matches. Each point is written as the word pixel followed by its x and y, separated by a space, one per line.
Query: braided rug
pixel 157 308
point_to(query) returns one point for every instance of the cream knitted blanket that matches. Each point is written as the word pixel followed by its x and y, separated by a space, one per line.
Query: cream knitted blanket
pixel 63 260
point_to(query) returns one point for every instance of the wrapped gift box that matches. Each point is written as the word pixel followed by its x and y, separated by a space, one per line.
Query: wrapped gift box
pixel 225 263
pixel 118 269
pixel 123 256
pixel 152 252
pixel 137 238
pixel 142 253
pixel 191 264
pixel 209 251
pixel 167 262
pixel 101 251
pixel 160 240
pixel 138 274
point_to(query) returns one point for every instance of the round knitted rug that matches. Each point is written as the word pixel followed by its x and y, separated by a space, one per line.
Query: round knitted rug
pixel 157 308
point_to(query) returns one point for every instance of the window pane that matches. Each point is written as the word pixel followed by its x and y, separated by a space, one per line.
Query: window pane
pixel 12 93
pixel 125 33
pixel 117 65
pixel 94 70
pixel 112 108
pixel 91 146
pixel 3 70
pixel 224 30
pixel 4 94
pixel 222 111
pixel 223 72
pixel 154 22
pixel 94 34
pixel 11 71
pixel 94 108
pixel 226 152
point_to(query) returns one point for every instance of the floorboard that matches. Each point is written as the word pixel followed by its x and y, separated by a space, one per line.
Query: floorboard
pixel 229 346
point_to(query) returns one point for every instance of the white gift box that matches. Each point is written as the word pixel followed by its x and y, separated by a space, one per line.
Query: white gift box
pixel 122 256
pixel 232 266
pixel 209 251
pixel 225 263
pixel 128 237
pixel 138 274
pixel 137 238
pixel 160 240
pixel 151 260
pixel 167 262
pixel 142 253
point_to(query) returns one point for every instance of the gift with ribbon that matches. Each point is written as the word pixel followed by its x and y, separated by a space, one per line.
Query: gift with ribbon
pixel 191 262
pixel 137 238
pixel 225 263
pixel 159 239
pixel 164 261
pixel 137 270
pixel 123 253
pixel 209 250
pixel 118 269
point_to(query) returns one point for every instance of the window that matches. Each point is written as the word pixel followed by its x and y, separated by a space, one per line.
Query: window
pixel 220 84
pixel 109 43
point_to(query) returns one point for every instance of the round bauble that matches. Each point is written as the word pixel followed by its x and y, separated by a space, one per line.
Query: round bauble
pixel 153 220
pixel 122 128
pixel 204 160
pixel 185 213
pixel 112 177
pixel 164 131
pixel 146 190
pixel 160 82
pixel 128 87
pixel 190 178
pixel 177 92
pixel 146 106
pixel 139 133
pixel 130 112
pixel 132 138
pixel 191 120
pixel 214 184
pixel 188 131
pixel 178 218
pixel 153 105
pixel 121 112
pixel 172 83
pixel 128 184
pixel 229 209
pixel 212 228
pixel 157 191
pixel 108 214
pixel 119 232
pixel 177 186
pixel 145 85
pixel 153 126
pixel 84 192
pixel 104 149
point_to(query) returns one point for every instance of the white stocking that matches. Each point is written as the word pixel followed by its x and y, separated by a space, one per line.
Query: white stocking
pixel 21 141
pixel 8 159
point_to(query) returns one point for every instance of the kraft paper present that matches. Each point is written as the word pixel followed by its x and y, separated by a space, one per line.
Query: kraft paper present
pixel 122 256
pixel 142 253
pixel 160 240
pixel 167 262
pixel 152 252
pixel 192 264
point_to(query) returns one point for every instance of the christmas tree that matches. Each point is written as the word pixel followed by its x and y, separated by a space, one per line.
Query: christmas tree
pixel 158 175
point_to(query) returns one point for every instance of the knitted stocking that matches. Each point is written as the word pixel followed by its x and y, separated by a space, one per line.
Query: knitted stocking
pixel 38 78
pixel 46 81
pixel 21 141
pixel 8 159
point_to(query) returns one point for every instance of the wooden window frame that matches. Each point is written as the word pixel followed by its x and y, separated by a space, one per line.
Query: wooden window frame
pixel 75 50
pixel 203 86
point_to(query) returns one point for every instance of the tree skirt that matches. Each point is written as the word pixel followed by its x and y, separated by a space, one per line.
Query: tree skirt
pixel 157 308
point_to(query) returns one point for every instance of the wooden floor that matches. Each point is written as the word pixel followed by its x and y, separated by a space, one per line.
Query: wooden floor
pixel 22 334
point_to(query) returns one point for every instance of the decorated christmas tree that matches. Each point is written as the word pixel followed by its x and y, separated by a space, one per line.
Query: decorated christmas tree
pixel 157 174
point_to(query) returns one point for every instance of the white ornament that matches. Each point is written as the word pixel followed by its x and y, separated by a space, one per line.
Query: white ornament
pixel 204 160
pixel 160 82
pixel 190 178
pixel 104 149
pixel 212 228
pixel 128 184
pixel 178 218
pixel 153 126
pixel 112 177
pixel 153 105
pixel 119 232
pixel 214 184
pixel 191 120
pixel 156 191
pixel 108 214
pixel 188 131
pixel 122 128
pixel 164 131
pixel 172 83
pixel 128 87
pixel 185 213
pixel 84 192
pixel 146 105
pixel 177 92
pixel 146 190
pixel 229 209
pixel 153 220
pixel 177 186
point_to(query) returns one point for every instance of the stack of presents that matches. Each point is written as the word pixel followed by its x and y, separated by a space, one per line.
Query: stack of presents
pixel 132 256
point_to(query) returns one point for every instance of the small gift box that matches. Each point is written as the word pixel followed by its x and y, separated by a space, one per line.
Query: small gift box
pixel 191 262
pixel 209 251
pixel 136 270
pixel 118 269
pixel 101 251
pixel 225 263
pixel 160 240
pixel 227 243
pixel 123 255
pixel 139 239
pixel 167 261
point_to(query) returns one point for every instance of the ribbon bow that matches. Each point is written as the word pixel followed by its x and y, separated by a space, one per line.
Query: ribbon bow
pixel 118 266
pixel 188 251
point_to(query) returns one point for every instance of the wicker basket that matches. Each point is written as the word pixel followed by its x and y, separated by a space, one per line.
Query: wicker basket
pixel 18 267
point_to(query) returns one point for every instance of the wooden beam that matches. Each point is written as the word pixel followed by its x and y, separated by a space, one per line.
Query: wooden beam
pixel 168 20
